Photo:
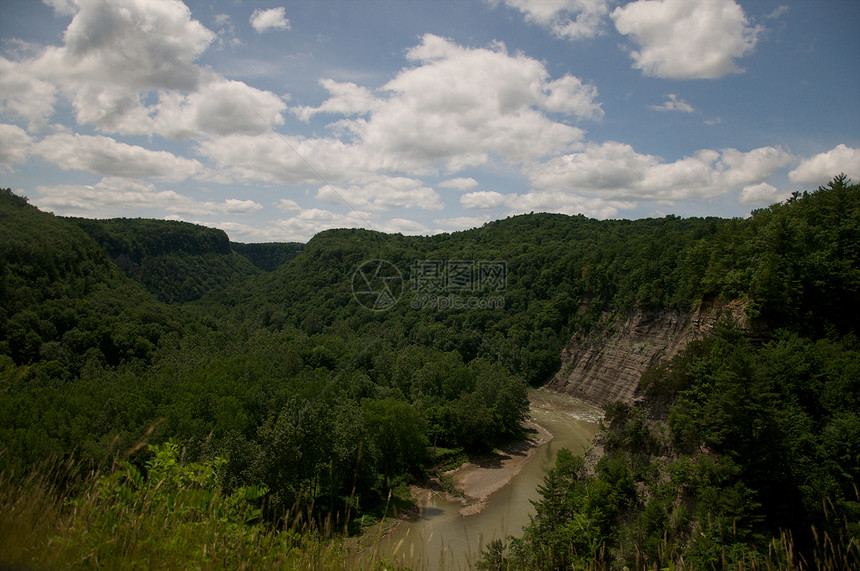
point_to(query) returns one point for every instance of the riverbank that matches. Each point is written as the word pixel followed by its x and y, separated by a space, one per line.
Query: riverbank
pixel 473 481
pixel 476 480
pixel 489 497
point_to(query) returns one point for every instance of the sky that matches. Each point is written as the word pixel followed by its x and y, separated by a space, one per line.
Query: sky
pixel 276 120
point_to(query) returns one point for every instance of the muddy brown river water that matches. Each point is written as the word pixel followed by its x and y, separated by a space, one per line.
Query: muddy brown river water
pixel 442 539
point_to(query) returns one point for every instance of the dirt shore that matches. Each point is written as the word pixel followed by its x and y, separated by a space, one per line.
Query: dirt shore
pixel 479 479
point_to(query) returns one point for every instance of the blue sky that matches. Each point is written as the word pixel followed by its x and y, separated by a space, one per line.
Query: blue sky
pixel 276 120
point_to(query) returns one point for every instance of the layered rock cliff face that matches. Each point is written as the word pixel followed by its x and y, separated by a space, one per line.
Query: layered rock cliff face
pixel 605 365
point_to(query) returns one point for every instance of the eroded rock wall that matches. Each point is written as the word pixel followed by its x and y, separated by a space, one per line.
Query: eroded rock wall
pixel 606 364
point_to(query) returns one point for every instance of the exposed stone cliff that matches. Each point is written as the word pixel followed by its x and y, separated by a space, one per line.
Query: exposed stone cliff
pixel 605 365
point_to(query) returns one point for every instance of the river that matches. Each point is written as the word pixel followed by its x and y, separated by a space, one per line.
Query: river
pixel 441 539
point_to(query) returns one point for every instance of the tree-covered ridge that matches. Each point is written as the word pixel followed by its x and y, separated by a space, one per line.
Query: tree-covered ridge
pixel 175 261
pixel 797 261
pixel 562 273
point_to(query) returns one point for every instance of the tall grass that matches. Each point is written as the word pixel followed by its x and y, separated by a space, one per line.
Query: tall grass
pixel 116 519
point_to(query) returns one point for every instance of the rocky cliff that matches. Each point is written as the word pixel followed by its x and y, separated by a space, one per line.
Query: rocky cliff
pixel 605 365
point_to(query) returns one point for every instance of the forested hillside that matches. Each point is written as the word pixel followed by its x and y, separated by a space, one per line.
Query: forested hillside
pixel 64 303
pixel 737 456
pixel 325 379
pixel 175 261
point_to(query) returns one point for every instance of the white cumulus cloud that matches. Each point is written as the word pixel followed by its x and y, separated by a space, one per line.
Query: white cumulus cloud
pixel 615 171
pixel 684 39
pixel 459 183
pixel 762 194
pixel 110 192
pixel 821 168
pixel 483 199
pixel 122 193
pixel 460 105
pixel 106 156
pixel 564 202
pixel 25 95
pixel 453 108
pixel 570 19
pixel 287 205
pixel 272 157
pixel 112 52
pixel 14 143
pixel 347 98
pixel 379 192
pixel 272 19
pixel 219 107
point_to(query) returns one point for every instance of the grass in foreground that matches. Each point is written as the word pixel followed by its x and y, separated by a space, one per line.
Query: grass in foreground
pixel 175 517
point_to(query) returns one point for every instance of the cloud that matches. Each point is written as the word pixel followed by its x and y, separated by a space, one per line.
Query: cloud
pixel 122 193
pixel 454 108
pixel 738 169
pixel 236 206
pixel 287 205
pixel 347 98
pixel 220 107
pixel 226 32
pixel 106 156
pixel 778 12
pixel 460 183
pixel 674 104
pixel 275 158
pixel 110 192
pixel 615 171
pixel 272 19
pixel 821 168
pixel 112 52
pixel 130 68
pixel 378 192
pixel 459 105
pixel 24 95
pixel 483 199
pixel 308 222
pixel 762 194
pixel 14 143
pixel 570 19
pixel 680 39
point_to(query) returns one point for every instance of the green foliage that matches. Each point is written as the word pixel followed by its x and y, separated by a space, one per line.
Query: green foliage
pixel 169 515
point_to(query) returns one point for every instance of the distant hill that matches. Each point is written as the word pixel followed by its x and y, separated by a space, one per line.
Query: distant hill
pixel 175 261
pixel 268 256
